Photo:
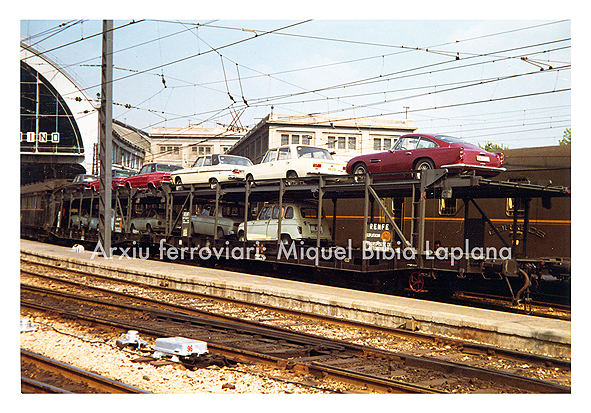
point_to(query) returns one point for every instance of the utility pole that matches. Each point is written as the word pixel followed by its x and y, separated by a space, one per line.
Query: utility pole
pixel 406 108
pixel 106 138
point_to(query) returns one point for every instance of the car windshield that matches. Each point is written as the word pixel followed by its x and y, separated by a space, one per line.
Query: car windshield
pixel 234 160
pixel 311 152
pixel 449 139
pixel 162 167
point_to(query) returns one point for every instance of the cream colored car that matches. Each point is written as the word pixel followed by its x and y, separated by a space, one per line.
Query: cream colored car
pixel 295 161
pixel 211 169
pixel 299 222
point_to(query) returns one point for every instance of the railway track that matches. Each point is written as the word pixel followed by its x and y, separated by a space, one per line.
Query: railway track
pixel 370 368
pixel 163 293
pixel 40 374
pixel 496 302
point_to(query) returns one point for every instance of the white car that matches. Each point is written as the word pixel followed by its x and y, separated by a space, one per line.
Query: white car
pixel 295 161
pixel 204 223
pixel 149 221
pixel 212 169
pixel 299 222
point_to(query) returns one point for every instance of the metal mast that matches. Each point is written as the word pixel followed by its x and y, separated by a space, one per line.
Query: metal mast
pixel 106 138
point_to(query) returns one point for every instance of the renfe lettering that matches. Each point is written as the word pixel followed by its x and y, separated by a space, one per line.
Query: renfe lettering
pixel 379 227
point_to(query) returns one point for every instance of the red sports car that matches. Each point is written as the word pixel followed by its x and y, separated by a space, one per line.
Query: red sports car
pixel 151 176
pixel 426 151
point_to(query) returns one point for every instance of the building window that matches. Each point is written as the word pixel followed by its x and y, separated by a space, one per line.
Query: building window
pixel 387 143
pixel 352 143
pixel 377 144
pixel 306 139
pixel 205 150
pixel 341 142
pixel 170 149
pixel 284 139
pixel 331 142
pixel 225 149
pixel 295 139
pixel 46 122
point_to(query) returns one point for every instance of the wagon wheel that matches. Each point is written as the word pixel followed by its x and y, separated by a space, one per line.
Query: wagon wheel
pixel 416 281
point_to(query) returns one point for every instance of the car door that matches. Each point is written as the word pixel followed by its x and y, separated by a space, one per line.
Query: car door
pixel 258 229
pixel 403 155
pixel 139 179
pixel 193 174
pixel 283 163
pixel 425 149
pixel 287 223
pixel 265 168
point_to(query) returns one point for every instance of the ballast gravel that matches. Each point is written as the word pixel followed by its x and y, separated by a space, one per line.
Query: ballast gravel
pixel 101 356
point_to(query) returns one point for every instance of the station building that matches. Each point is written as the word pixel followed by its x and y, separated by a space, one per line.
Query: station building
pixel 345 137
pixel 182 145
pixel 59 125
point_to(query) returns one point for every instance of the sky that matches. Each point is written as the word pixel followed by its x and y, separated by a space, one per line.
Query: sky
pixel 501 81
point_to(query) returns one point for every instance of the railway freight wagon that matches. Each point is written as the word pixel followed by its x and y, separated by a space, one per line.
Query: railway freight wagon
pixel 549 232
pixel 406 215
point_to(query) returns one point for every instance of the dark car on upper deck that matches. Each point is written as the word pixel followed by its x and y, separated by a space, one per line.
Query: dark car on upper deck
pixel 425 151
pixel 117 178
pixel 151 176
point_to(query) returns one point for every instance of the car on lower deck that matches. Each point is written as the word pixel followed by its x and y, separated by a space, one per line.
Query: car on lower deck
pixel 211 169
pixel 426 151
pixel 298 222
pixel 203 222
pixel 149 220
pixel 295 161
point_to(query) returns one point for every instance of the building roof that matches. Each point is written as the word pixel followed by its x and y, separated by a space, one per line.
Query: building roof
pixel 315 120
pixel 131 135
pixel 192 131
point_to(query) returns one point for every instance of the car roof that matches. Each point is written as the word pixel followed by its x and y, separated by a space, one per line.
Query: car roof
pixel 295 145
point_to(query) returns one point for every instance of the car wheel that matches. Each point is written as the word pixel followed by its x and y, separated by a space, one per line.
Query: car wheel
pixel 286 239
pixel 127 185
pixel 241 236
pixel 132 229
pixel 359 172
pixel 422 165
pixel 149 228
pixel 213 183
pixel 250 180
pixel 151 186
pixel 178 180
pixel 292 177
pixel 220 233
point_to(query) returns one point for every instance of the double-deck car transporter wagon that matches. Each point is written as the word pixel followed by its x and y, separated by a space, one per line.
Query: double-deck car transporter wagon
pixel 385 244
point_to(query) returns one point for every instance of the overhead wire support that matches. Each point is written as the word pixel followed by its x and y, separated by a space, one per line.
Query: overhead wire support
pixel 225 79
pixel 240 82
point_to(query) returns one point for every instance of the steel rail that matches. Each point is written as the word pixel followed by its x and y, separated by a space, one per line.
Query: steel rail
pixel 95 381
pixel 511 380
pixel 241 355
pixel 33 386
pixel 468 347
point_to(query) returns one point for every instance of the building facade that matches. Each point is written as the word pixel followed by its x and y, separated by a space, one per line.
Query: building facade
pixel 59 125
pixel 344 137
pixel 181 146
